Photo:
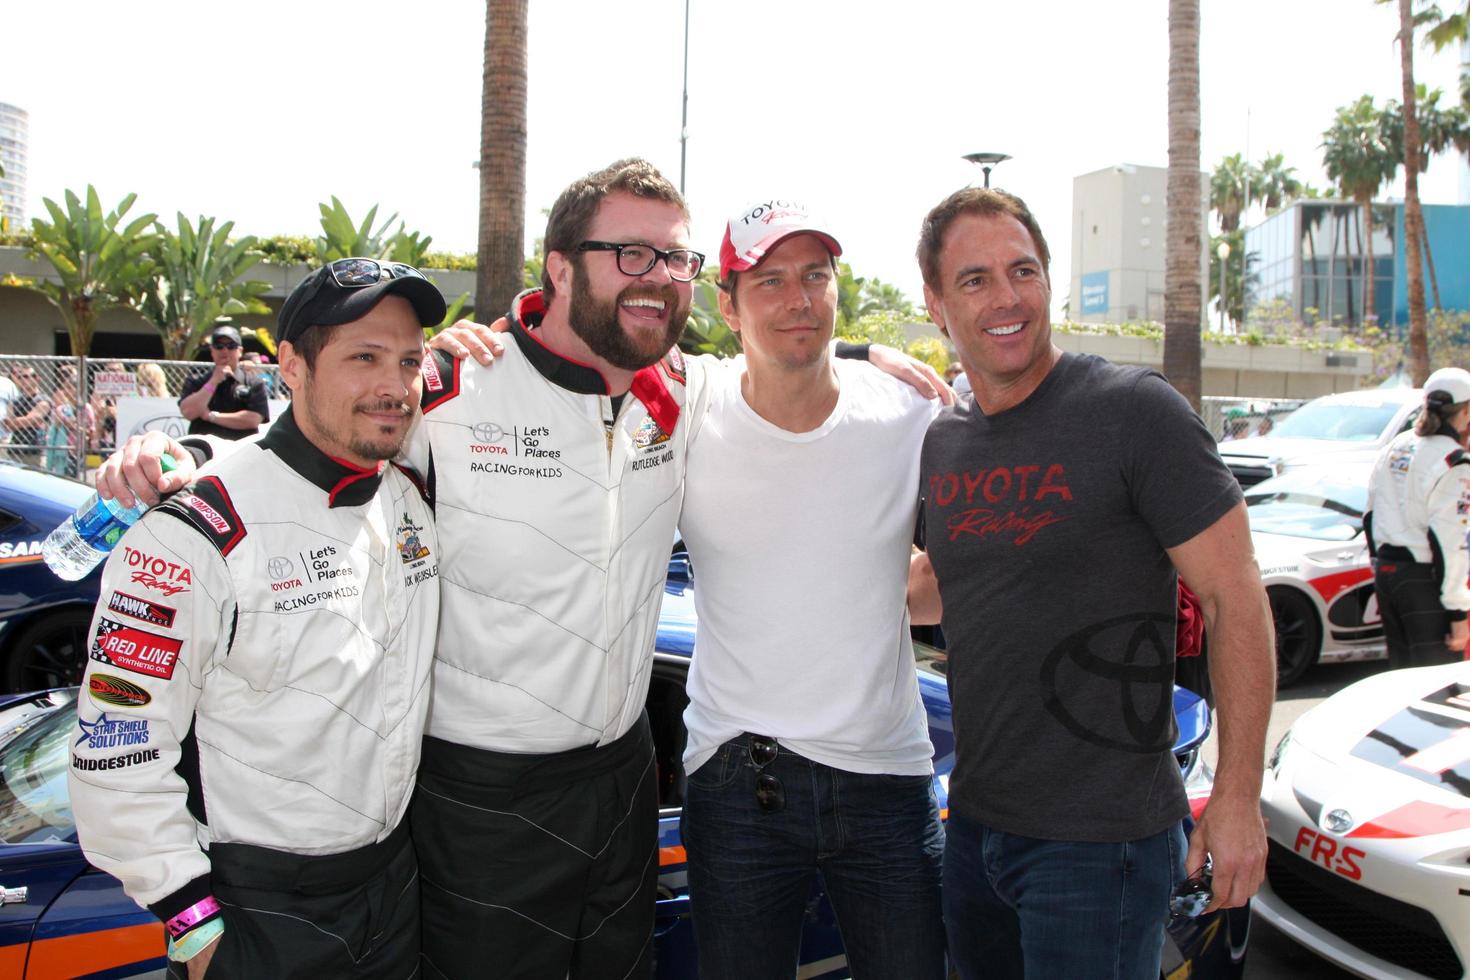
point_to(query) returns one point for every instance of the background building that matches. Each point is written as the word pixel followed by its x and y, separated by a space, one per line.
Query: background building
pixel 14 128
pixel 1118 246
pixel 1311 257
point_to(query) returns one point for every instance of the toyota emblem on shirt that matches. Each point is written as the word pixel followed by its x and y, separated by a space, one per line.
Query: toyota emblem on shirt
pixel 487 432
pixel 279 567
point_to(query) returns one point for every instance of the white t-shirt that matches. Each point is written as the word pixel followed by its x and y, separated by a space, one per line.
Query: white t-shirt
pixel 800 545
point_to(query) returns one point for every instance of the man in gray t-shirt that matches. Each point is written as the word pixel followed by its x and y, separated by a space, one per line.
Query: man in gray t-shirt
pixel 1058 505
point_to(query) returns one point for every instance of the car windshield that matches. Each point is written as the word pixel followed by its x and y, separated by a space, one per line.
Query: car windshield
pixel 1336 421
pixel 34 807
pixel 1307 504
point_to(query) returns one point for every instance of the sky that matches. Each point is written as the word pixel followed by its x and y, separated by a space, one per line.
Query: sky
pixel 255 112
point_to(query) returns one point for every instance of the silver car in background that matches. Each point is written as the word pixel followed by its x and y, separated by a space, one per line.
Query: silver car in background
pixel 1346 429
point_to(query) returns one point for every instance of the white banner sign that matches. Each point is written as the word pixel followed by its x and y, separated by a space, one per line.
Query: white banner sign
pixel 138 415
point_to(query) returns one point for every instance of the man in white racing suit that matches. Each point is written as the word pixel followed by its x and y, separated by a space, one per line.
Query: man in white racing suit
pixel 251 717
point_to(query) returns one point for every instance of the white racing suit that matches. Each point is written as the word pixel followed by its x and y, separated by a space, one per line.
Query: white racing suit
pixel 257 685
pixel 536 818
pixel 1418 515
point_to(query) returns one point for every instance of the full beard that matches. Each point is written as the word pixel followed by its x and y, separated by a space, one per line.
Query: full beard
pixel 596 322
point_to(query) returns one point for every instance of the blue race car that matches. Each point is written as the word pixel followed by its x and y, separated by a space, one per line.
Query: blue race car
pixel 62 918
pixel 43 620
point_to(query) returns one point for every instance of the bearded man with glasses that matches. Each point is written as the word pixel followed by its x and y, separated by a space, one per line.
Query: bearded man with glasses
pixel 223 402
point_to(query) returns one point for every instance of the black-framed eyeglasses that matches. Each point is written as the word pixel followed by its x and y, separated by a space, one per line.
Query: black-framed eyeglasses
pixel 353 273
pixel 770 795
pixel 223 344
pixel 635 258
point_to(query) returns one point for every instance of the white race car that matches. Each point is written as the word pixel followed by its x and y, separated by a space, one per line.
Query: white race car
pixel 1348 428
pixel 1368 803
pixel 1307 529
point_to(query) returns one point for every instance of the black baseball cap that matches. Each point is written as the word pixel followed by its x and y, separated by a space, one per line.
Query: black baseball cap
pixel 226 331
pixel 320 300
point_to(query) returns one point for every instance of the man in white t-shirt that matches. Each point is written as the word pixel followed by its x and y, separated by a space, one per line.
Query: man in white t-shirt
pixel 808 747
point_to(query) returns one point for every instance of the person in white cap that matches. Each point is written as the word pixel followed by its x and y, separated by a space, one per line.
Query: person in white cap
pixel 822 764
pixel 1418 499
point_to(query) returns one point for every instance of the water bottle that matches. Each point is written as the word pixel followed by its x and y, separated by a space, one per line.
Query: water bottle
pixel 86 537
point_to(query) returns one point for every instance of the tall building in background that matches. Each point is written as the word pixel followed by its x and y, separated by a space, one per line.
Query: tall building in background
pixel 14 129
pixel 1310 258
pixel 1118 245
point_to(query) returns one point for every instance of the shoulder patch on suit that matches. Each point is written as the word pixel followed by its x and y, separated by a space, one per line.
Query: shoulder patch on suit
pixel 207 506
pixel 441 379
pixel 662 401
pixel 1457 457
pixel 673 365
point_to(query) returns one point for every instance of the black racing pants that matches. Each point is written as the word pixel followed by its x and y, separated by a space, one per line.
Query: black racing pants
pixel 538 866
pixel 353 915
pixel 1415 624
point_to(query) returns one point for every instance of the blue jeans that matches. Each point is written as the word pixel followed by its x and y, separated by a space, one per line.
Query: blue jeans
pixel 875 839
pixel 1022 907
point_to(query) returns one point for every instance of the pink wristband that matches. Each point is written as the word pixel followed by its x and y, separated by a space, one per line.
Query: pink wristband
pixel 191 917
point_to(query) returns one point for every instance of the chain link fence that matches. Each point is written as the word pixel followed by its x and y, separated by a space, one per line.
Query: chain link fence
pixel 1240 418
pixel 64 414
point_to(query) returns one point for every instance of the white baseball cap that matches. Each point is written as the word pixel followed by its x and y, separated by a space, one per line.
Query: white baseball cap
pixel 751 234
pixel 1453 381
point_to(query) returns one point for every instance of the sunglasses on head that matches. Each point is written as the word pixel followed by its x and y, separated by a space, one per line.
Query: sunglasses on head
pixel 354 273
pixel 223 344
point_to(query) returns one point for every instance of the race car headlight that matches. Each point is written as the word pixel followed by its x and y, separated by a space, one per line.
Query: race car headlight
pixel 1278 754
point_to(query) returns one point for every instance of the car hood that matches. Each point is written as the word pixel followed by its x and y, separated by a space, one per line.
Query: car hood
pixel 1285 551
pixel 1399 741
pixel 1298 452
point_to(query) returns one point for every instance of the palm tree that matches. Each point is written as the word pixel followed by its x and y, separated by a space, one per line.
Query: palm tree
pixel 1233 186
pixel 99 261
pixel 196 282
pixel 1359 158
pixel 1439 130
pixel 502 158
pixel 1447 29
pixel 1183 307
pixel 1413 213
pixel 1276 183
pixel 342 237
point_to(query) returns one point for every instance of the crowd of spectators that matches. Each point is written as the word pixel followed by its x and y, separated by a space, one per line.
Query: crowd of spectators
pixel 45 423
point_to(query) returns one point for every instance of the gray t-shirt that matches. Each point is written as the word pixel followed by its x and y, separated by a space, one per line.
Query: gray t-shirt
pixel 1047 525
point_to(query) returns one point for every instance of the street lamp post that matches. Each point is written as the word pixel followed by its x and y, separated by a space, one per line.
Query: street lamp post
pixel 987 162
pixel 684 122
pixel 1223 251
